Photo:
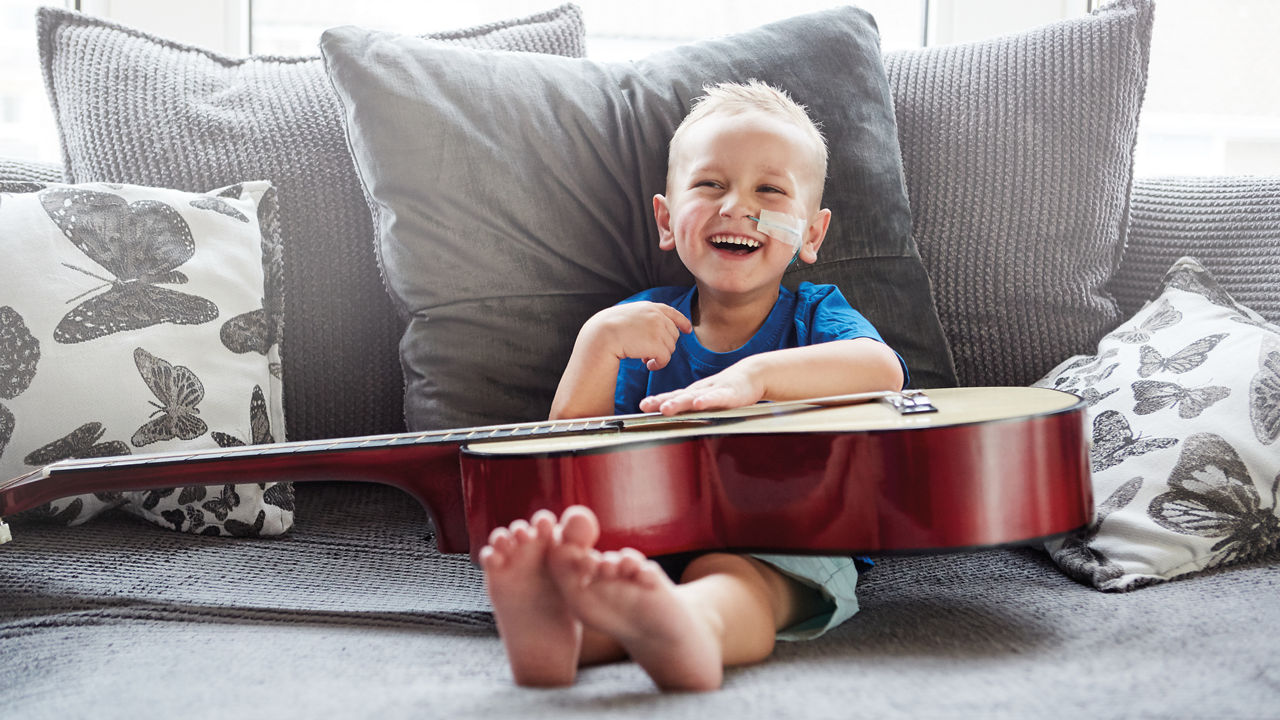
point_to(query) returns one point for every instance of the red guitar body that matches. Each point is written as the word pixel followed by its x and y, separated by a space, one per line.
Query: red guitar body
pixel 909 489
pixel 993 466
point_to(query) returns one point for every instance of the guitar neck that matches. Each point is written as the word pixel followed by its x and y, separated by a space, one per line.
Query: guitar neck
pixel 398 459
pixel 394 459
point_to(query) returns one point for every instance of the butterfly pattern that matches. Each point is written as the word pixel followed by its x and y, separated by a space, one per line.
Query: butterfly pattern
pixel 1193 278
pixel 225 502
pixel 1164 316
pixel 1264 395
pixel 1212 495
pixel 258 330
pixel 1081 560
pixel 216 204
pixel 7 423
pixel 1084 373
pixel 279 494
pixel 179 391
pixel 19 356
pixel 83 442
pixel 132 257
pixel 248 332
pixel 1155 395
pixel 259 424
pixel 1185 360
pixel 237 528
pixel 141 245
pixel 1092 397
pixel 1181 431
pixel 1114 441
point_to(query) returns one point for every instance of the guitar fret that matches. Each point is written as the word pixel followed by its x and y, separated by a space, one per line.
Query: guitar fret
pixel 348 445
pixel 456 436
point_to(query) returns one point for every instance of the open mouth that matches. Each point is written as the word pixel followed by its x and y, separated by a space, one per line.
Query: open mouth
pixel 735 244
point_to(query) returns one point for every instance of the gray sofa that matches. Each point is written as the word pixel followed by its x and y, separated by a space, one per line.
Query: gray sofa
pixel 354 614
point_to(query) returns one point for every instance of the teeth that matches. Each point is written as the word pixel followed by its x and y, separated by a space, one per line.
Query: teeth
pixel 735 240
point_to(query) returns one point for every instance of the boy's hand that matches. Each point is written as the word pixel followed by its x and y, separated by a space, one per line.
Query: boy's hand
pixel 732 387
pixel 644 330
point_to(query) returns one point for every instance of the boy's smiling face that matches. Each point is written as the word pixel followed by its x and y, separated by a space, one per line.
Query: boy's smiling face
pixel 725 170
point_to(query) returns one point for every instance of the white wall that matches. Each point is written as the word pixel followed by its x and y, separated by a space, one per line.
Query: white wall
pixel 218 25
pixel 957 21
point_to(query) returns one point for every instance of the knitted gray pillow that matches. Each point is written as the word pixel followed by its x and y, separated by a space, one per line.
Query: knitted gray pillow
pixel 1230 224
pixel 135 108
pixel 542 172
pixel 14 170
pixel 1018 154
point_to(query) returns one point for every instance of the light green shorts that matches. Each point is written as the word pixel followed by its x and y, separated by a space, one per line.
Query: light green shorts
pixel 836 577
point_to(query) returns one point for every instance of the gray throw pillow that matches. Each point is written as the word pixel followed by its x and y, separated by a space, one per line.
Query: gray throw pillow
pixel 1019 157
pixel 135 108
pixel 512 196
pixel 14 170
pixel 1230 224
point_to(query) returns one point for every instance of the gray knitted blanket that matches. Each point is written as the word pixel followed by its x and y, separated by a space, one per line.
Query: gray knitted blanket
pixel 355 615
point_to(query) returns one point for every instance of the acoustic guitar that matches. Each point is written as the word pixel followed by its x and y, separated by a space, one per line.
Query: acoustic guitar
pixel 953 469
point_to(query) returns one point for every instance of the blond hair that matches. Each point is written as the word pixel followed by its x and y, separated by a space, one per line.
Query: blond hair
pixel 753 96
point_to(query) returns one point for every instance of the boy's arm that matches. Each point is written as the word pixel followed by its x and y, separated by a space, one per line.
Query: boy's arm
pixel 832 368
pixel 645 330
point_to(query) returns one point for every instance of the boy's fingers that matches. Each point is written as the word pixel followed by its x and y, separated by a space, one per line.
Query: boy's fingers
pixel 683 323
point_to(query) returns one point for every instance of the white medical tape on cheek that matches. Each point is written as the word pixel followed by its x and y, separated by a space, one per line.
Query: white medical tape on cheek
pixel 781 226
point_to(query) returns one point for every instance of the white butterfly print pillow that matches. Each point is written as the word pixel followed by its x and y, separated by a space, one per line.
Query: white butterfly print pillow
pixel 1185 427
pixel 140 320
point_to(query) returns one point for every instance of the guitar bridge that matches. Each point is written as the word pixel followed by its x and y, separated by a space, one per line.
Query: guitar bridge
pixel 911 402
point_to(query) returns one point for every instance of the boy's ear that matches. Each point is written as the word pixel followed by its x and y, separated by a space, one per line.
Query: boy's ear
pixel 814 235
pixel 662 215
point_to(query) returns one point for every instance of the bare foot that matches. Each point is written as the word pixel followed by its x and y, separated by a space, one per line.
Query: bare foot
pixel 541 635
pixel 628 597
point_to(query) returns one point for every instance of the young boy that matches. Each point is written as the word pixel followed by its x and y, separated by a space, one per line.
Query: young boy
pixel 744 190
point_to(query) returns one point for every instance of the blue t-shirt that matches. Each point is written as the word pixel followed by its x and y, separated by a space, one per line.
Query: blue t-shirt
pixel 809 315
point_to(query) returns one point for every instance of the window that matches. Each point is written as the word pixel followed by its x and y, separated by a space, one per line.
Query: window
pixel 616 31
pixel 1213 100
pixel 1211 105
pixel 26 122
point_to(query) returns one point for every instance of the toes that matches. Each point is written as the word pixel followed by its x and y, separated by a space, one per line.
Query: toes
pixel 608 568
pixel 573 567
pixel 630 562
pixel 579 526
pixel 543 523
pixel 500 539
pixel 520 530
pixel 490 559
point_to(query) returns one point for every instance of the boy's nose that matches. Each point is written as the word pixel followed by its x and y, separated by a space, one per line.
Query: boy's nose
pixel 735 205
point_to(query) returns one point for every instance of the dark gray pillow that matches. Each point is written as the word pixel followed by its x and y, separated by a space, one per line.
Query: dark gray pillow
pixel 512 196
pixel 135 108
pixel 1019 157
pixel 1230 224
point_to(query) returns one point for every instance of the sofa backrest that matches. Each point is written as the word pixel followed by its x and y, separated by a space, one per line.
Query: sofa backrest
pixel 1230 224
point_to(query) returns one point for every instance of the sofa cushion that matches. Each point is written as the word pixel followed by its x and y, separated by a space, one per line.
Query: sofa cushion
pixel 138 320
pixel 1018 154
pixel 132 107
pixel 15 170
pixel 1230 224
pixel 513 196
pixel 1185 405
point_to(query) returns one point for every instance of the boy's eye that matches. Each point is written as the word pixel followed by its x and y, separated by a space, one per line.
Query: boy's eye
pixel 707 183
pixel 771 189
